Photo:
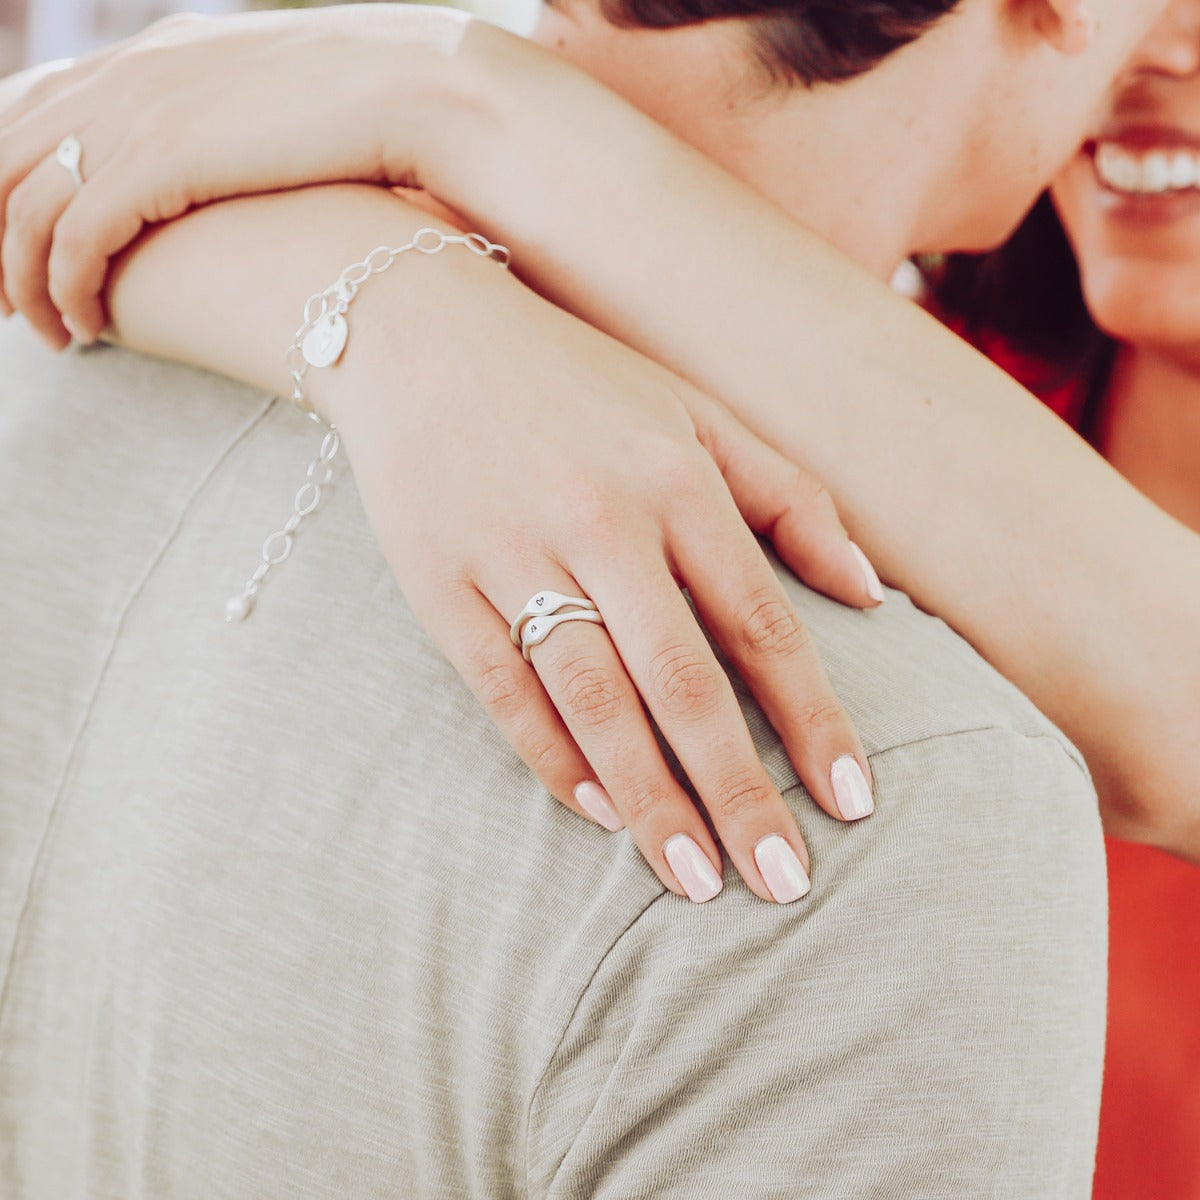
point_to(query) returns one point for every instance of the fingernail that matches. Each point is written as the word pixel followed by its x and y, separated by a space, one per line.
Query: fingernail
pixel 594 801
pixel 850 789
pixel 874 587
pixel 77 332
pixel 692 868
pixel 783 872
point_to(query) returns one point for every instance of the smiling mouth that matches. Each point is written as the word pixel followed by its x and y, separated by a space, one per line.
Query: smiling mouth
pixel 1148 171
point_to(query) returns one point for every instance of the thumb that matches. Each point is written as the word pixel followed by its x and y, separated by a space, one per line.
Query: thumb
pixel 781 501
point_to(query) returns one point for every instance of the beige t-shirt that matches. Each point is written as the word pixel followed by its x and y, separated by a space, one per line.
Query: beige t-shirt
pixel 282 916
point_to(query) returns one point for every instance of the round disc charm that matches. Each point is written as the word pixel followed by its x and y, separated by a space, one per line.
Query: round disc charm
pixel 325 341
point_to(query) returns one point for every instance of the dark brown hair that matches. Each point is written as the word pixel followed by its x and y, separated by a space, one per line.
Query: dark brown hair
pixel 804 41
pixel 1028 294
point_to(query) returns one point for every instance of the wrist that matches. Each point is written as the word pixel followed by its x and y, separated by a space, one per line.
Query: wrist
pixel 403 324
pixel 424 96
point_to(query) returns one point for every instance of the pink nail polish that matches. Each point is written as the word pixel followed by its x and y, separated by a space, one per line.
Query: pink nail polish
pixel 850 789
pixel 874 587
pixel 692 868
pixel 595 801
pixel 77 332
pixel 782 870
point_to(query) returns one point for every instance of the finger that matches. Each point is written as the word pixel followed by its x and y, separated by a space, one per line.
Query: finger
pixel 33 208
pixel 477 644
pixel 144 181
pixel 744 605
pixel 692 701
pixel 588 684
pixel 97 224
pixel 125 191
pixel 784 503
pixel 28 140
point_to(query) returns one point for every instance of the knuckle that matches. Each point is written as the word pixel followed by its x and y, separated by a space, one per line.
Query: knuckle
pixel 639 801
pixel 769 627
pixel 819 505
pixel 681 471
pixel 22 210
pixel 819 717
pixel 814 491
pixel 590 696
pixel 501 687
pixel 741 795
pixel 685 683
pixel 543 757
pixel 71 243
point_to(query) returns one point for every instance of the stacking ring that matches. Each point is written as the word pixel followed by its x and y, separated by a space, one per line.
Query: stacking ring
pixel 70 156
pixel 540 628
pixel 543 614
pixel 542 604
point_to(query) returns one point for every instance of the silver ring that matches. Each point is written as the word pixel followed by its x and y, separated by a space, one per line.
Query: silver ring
pixel 70 155
pixel 538 629
pixel 542 604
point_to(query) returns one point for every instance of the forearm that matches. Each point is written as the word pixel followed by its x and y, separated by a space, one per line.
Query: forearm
pixel 225 287
pixel 915 436
pixel 963 489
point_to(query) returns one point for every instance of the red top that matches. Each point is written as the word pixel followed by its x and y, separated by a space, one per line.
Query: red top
pixel 1150 1112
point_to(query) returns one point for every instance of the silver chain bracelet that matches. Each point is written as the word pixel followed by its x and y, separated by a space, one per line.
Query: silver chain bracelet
pixel 321 342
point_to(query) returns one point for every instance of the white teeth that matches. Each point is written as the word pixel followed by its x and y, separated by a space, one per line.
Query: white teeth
pixel 1118 169
pixel 1184 170
pixel 1156 173
pixel 1147 173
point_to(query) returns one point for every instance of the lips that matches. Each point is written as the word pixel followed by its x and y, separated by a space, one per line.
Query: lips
pixel 1147 171
pixel 1146 160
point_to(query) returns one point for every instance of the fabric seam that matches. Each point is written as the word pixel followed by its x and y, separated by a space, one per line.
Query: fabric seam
pixel 1025 736
pixel 53 817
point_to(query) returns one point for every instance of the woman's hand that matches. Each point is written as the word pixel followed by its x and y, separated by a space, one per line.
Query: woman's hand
pixel 503 448
pixel 607 489
pixel 192 110
pixel 123 104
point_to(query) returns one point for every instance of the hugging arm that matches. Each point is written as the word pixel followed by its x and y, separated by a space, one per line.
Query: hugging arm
pixel 971 497
pixel 607 488
pixel 965 491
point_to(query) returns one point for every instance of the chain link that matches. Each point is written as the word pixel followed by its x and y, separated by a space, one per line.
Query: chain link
pixel 320 342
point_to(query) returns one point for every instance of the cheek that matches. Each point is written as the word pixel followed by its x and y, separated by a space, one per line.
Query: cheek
pixel 1143 300
pixel 1141 282
pixel 1075 196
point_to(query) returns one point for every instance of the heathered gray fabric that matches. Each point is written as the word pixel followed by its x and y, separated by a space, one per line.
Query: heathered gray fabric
pixel 282 916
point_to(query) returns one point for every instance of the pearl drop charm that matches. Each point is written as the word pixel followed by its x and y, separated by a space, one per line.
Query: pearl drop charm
pixel 237 608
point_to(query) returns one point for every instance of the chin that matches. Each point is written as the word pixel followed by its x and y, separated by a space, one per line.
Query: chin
pixel 1145 304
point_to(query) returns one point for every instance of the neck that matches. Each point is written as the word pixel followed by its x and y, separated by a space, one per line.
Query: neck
pixel 867 196
pixel 1152 429
pixel 874 164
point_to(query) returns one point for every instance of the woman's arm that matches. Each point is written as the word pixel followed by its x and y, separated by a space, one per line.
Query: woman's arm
pixel 964 489
pixel 976 501
pixel 487 480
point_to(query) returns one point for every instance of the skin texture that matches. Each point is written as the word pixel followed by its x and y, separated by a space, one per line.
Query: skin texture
pixel 1140 266
pixel 914 395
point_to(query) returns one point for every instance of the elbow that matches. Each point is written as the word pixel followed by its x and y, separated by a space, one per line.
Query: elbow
pixel 1156 804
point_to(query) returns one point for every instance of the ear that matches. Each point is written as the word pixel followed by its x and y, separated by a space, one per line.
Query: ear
pixel 1067 25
